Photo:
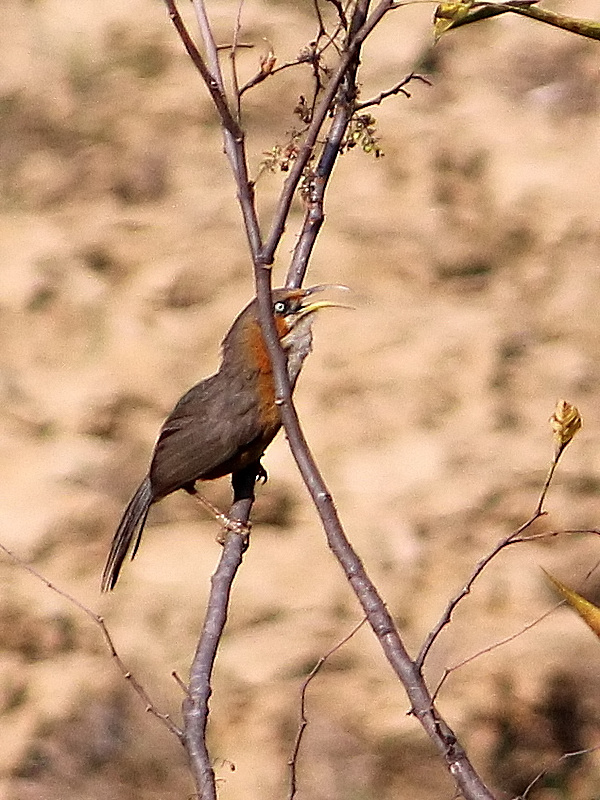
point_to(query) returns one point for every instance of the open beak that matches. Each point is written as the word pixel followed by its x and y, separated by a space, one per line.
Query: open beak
pixel 317 305
pixel 322 287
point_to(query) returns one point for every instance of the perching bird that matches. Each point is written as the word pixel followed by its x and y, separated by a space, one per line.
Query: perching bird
pixel 224 423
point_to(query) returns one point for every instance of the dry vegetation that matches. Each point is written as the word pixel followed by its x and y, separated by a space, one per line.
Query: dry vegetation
pixel 473 250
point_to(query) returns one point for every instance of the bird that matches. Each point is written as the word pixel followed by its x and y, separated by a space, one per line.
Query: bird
pixel 224 423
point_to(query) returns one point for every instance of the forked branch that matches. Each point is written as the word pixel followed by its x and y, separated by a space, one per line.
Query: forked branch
pixel 337 102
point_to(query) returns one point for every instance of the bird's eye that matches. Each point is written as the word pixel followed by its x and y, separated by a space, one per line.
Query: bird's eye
pixel 280 307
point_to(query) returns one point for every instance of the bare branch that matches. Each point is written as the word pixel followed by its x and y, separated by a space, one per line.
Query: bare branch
pixel 380 620
pixel 340 12
pixel 307 56
pixel 212 54
pixel 212 84
pixel 399 88
pixel 232 58
pixel 319 17
pixel 263 74
pixel 180 683
pixel 293 762
pixel 238 45
pixel 338 94
pixel 513 538
pixel 551 534
pixel 564 757
pixel 195 704
pixel 445 619
pixel 322 110
pixel 314 197
pixel 99 621
pixel 232 133
pixel 449 670
pixel 376 612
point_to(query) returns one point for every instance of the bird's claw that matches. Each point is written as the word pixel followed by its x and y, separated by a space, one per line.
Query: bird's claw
pixel 233 526
pixel 262 476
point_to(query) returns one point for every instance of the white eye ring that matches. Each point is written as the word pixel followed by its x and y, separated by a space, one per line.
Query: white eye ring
pixel 279 307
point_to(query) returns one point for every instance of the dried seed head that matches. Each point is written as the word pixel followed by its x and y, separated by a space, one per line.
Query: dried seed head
pixel 565 421
pixel 267 63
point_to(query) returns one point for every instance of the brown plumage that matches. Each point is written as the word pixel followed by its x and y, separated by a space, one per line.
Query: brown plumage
pixel 223 424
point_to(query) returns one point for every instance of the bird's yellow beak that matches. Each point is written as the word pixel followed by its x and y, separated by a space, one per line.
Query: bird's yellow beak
pixel 317 305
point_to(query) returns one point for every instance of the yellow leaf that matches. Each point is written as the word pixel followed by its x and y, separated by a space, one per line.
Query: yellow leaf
pixel 446 14
pixel 588 612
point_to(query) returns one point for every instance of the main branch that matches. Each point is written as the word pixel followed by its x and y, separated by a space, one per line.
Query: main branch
pixel 337 101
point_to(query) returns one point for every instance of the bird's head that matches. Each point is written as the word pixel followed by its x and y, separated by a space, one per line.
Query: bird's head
pixel 294 312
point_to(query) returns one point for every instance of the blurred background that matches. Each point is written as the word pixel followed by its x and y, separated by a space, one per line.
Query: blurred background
pixel 472 248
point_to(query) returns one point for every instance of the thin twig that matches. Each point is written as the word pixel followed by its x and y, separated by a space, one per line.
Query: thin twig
pixel 183 686
pixel 445 619
pixel 399 88
pixel 319 17
pixel 551 534
pixel 293 762
pixel 210 46
pixel 307 56
pixel 262 75
pixel 232 57
pixel 586 751
pixel 233 139
pixel 306 150
pixel 99 621
pixel 213 86
pixel 538 510
pixel 238 45
pixel 340 12
pixel 512 538
pixel 449 670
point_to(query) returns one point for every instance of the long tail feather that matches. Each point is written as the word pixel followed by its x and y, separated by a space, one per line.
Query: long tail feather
pixel 130 528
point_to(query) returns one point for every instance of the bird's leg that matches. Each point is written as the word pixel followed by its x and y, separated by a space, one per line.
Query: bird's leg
pixel 227 524
pixel 244 480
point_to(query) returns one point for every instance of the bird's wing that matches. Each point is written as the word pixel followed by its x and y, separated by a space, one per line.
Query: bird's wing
pixel 200 435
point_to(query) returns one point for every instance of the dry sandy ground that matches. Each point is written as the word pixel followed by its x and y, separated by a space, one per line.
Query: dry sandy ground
pixel 472 248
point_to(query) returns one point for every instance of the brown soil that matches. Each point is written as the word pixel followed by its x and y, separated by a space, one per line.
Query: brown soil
pixel 472 248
